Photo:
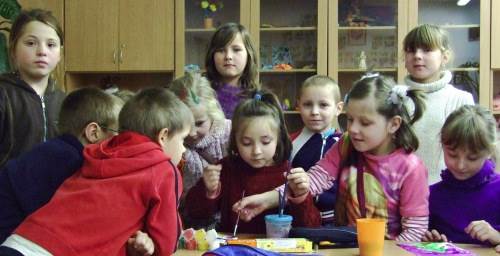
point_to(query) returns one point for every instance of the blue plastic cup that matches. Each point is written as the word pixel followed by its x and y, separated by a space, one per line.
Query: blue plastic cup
pixel 278 227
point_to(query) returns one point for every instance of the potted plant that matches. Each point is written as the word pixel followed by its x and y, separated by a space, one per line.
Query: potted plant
pixel 209 8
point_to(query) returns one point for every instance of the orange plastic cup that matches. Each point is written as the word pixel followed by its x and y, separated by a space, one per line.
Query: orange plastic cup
pixel 371 234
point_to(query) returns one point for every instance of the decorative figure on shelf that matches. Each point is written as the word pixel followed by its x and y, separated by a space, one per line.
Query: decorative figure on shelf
pixel 362 60
pixel 209 8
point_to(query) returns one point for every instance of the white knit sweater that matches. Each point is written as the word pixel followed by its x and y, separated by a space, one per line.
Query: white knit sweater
pixel 442 99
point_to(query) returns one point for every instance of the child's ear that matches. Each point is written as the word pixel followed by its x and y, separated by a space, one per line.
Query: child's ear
pixel 394 124
pixel 162 137
pixel 446 57
pixel 340 106
pixel 91 133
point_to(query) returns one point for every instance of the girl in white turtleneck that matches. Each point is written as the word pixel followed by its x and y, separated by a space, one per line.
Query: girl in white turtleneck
pixel 427 51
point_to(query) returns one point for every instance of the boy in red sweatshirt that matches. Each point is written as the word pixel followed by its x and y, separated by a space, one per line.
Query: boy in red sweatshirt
pixel 127 183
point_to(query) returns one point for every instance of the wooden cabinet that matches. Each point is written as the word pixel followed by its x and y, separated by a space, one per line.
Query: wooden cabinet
pixel 365 35
pixel 468 28
pixel 192 33
pixel 119 35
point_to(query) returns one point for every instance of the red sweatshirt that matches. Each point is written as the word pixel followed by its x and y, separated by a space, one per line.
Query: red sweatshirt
pixel 126 184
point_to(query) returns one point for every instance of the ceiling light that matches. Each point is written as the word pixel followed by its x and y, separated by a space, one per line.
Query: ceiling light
pixel 462 2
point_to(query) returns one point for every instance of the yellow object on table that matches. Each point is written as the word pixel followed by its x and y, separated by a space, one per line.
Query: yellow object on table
pixel 296 245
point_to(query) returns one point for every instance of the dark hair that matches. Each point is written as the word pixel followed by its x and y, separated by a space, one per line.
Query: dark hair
pixel 380 88
pixel 470 127
pixel 152 110
pixel 87 105
pixel 26 17
pixel 223 36
pixel 265 104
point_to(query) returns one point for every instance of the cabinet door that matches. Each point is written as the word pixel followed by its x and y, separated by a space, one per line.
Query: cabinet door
pixel 291 39
pixel 146 35
pixel 365 36
pixel 195 26
pixel 91 35
pixel 468 31
pixel 495 34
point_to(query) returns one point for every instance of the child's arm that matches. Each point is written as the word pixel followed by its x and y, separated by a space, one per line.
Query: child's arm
pixel 140 244
pixel 305 214
pixel 202 199
pixel 483 231
pixel 251 206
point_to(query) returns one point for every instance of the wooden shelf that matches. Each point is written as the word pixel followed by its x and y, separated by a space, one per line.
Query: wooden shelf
pixel 356 70
pixel 306 70
pixel 496 112
pixel 200 30
pixel 288 29
pixel 369 28
pixel 460 26
pixel 464 69
pixel 295 112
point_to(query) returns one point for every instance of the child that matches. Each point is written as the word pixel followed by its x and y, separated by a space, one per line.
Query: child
pixel 378 146
pixel 259 148
pixel 231 64
pixel 207 143
pixel 319 105
pixel 29 100
pixel 127 183
pixel 470 185
pixel 29 181
pixel 427 51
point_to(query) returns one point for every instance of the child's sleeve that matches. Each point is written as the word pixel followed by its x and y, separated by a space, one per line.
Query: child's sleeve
pixel 162 221
pixel 414 204
pixel 198 204
pixel 305 214
pixel 193 168
pixel 325 171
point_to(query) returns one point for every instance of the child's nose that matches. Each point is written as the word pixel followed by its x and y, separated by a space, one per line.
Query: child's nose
pixel 315 110
pixel 256 150
pixel 41 49
pixel 419 53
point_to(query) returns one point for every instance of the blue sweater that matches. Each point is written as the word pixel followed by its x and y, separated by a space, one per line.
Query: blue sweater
pixel 453 203
pixel 29 181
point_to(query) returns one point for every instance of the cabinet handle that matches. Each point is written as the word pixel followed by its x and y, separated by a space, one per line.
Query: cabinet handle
pixel 122 47
pixel 114 56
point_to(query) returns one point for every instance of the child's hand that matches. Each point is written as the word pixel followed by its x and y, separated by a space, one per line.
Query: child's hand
pixel 497 249
pixel 298 181
pixel 434 236
pixel 211 177
pixel 483 231
pixel 140 244
pixel 254 205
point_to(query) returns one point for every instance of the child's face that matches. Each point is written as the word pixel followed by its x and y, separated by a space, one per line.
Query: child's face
pixel 369 130
pixel 257 141
pixel 202 124
pixel 463 163
pixel 37 51
pixel 318 108
pixel 174 146
pixel 424 65
pixel 231 60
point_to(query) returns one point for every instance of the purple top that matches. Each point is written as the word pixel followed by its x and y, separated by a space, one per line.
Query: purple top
pixel 229 97
pixel 453 203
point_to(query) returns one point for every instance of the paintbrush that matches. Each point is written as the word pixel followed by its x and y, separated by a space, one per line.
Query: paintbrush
pixel 238 218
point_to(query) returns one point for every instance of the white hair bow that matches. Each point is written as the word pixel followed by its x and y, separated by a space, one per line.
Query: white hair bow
pixel 398 94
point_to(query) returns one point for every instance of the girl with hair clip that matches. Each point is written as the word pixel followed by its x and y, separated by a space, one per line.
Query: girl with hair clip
pixel 259 148
pixel 378 146
pixel 427 51
pixel 231 64
pixel 469 183
pixel 374 163
pixel 35 44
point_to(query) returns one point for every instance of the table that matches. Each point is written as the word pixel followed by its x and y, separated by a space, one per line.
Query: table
pixel 390 248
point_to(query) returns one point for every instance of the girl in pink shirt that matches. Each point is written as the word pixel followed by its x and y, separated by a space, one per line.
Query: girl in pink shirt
pixel 378 147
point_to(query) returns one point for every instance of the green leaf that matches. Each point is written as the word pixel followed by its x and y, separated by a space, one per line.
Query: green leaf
pixel 9 9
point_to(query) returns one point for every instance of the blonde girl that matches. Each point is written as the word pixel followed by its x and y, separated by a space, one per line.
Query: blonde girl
pixel 35 45
pixel 231 64
pixel 469 184
pixel 427 51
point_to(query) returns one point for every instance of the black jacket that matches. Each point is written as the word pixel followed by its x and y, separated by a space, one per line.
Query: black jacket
pixel 24 120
